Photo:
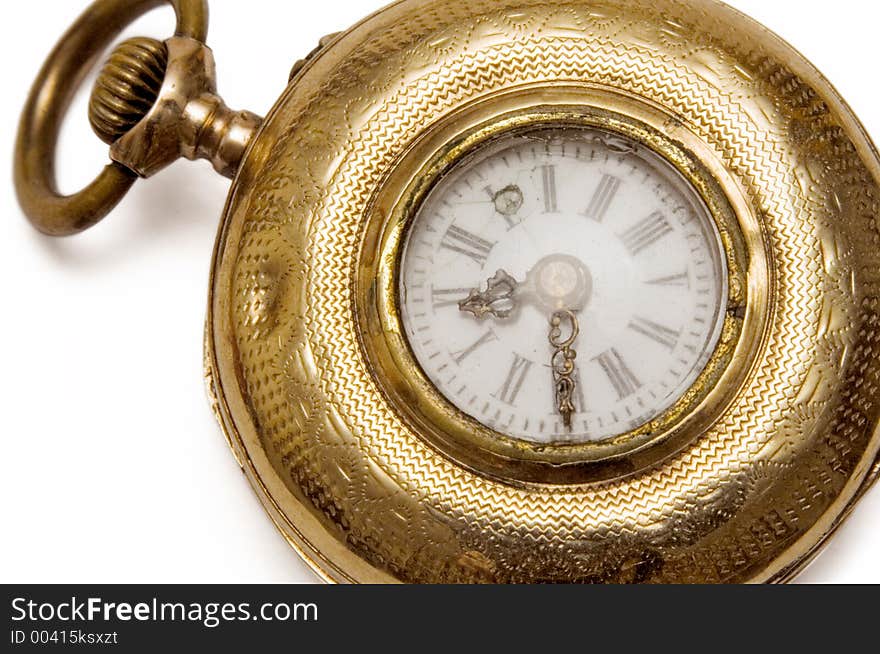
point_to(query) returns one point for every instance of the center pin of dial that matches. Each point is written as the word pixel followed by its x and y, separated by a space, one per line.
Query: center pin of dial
pixel 560 281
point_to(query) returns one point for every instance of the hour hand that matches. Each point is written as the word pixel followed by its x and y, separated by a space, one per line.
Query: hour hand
pixel 499 300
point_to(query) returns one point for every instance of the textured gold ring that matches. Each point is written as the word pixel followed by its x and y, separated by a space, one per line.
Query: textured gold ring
pixel 73 56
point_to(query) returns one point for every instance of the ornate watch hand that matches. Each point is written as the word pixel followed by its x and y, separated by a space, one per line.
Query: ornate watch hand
pixel 498 300
pixel 563 363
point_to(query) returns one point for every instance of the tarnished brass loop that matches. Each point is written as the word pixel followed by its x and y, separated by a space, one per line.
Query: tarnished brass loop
pixel 66 67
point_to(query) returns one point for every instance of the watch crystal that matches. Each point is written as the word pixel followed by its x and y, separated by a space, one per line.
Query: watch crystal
pixel 563 286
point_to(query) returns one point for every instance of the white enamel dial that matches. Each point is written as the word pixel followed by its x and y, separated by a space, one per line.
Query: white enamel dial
pixel 578 225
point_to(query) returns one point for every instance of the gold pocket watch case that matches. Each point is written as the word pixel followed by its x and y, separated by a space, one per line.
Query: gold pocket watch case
pixel 520 291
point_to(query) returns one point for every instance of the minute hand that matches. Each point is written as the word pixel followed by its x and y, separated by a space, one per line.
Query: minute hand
pixel 563 362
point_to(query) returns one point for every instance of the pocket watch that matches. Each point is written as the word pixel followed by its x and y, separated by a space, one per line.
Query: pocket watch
pixel 518 291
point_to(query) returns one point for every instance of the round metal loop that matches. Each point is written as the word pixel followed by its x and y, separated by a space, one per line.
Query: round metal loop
pixel 66 67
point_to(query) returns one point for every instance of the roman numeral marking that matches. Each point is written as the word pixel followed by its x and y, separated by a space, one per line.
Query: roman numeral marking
pixel 448 297
pixel 472 246
pixel 658 333
pixel 580 399
pixel 619 374
pixel 646 233
pixel 548 178
pixel 680 280
pixel 516 377
pixel 602 199
pixel 488 337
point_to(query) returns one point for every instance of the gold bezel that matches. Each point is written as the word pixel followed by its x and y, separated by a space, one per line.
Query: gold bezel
pixel 460 436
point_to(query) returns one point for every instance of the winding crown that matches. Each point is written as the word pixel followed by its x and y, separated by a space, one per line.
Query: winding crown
pixel 127 87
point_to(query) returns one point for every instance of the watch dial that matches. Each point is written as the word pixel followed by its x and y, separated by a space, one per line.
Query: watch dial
pixel 563 286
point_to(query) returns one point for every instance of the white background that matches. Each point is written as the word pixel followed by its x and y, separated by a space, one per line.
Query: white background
pixel 112 467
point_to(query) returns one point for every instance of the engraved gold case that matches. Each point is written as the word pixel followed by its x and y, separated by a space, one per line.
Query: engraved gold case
pixel 373 476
